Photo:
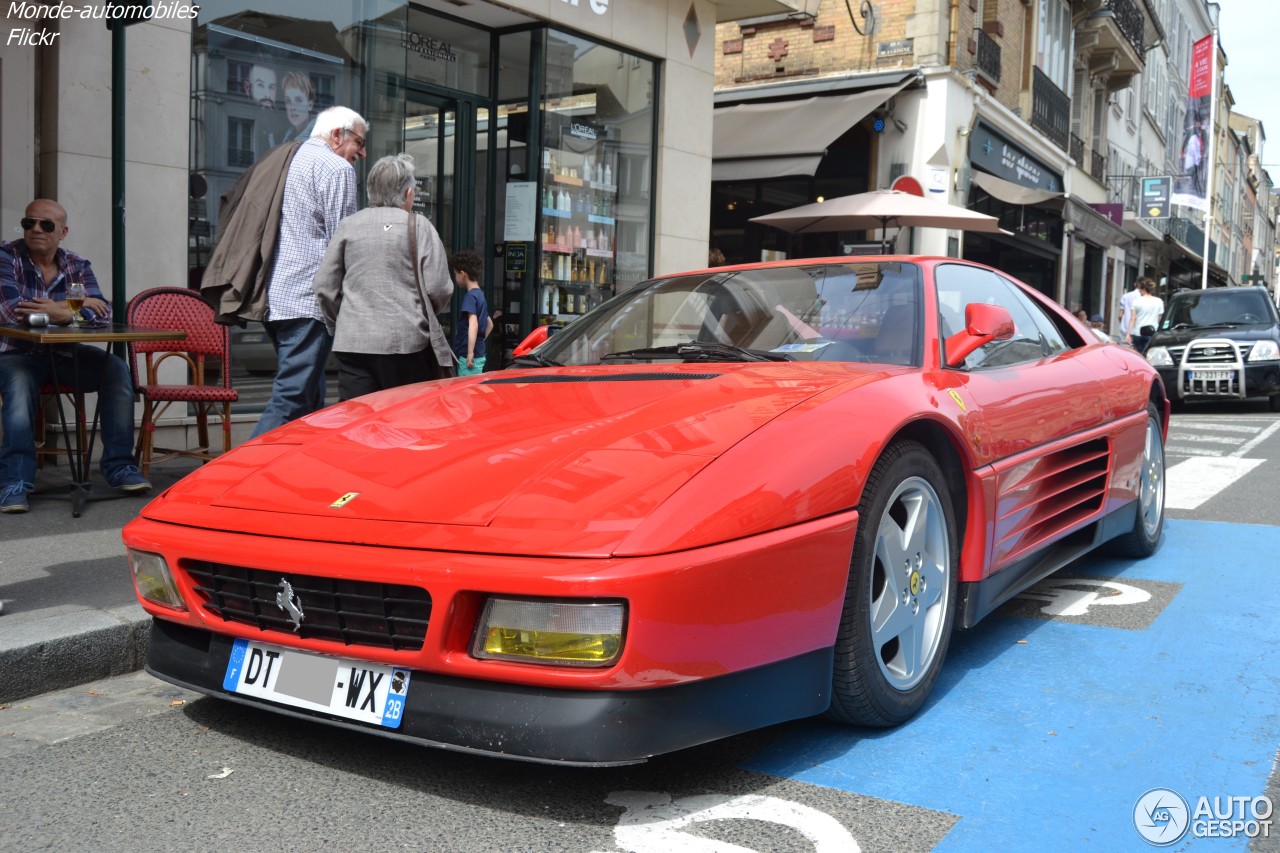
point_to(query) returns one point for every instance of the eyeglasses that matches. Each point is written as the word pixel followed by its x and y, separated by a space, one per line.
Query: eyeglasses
pixel 359 139
pixel 46 225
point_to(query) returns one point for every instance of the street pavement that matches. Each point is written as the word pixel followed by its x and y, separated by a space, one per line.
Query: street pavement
pixel 69 611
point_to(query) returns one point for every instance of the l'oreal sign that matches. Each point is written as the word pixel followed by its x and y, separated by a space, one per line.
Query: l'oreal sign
pixel 597 6
pixel 583 131
pixel 428 47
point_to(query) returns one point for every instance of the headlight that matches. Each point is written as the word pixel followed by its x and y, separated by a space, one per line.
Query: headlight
pixel 153 579
pixel 1159 357
pixel 552 632
pixel 1264 351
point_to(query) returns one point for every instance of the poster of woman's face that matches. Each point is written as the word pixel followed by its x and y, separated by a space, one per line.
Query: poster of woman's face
pixel 299 98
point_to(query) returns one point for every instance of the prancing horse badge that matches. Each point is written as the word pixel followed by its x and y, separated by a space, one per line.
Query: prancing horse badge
pixel 344 500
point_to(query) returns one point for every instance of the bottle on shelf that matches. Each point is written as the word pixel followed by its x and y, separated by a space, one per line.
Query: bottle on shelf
pixel 608 175
pixel 546 159
pixel 553 164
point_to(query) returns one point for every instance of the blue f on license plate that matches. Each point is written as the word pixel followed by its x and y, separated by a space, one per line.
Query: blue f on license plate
pixel 355 690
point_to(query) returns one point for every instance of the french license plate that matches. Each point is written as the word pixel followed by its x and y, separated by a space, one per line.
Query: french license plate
pixel 1211 375
pixel 356 690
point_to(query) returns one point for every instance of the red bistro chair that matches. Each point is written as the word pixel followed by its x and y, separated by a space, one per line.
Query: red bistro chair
pixel 179 308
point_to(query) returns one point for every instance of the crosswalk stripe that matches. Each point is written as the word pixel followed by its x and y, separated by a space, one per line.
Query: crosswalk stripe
pixel 1194 481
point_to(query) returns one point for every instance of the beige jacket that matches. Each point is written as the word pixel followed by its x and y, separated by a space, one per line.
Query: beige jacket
pixel 367 291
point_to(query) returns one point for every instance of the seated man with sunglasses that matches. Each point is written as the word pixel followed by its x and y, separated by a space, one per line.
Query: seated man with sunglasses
pixel 34 274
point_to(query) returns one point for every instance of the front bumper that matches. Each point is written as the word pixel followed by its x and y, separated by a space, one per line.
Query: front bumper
pixel 1241 381
pixel 556 726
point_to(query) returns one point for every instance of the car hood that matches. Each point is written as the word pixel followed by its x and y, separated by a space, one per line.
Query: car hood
pixel 533 461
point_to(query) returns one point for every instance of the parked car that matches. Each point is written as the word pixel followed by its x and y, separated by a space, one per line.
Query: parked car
pixel 1221 343
pixel 721 500
pixel 252 351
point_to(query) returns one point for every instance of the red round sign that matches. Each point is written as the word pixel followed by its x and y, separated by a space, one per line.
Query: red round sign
pixel 907 184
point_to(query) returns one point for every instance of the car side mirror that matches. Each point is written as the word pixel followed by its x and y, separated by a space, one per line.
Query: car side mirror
pixel 535 339
pixel 983 324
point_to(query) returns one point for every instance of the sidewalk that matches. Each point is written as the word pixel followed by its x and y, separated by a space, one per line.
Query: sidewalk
pixel 70 614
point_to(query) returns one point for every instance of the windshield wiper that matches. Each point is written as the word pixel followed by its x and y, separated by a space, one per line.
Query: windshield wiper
pixel 697 351
pixel 534 360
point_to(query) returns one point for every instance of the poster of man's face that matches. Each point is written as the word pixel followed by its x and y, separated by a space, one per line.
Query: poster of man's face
pixel 261 86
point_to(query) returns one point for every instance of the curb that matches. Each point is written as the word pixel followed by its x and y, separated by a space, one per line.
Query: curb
pixel 68 648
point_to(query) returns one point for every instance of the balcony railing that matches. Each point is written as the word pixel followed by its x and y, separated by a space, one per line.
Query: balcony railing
pixel 988 58
pixel 1050 109
pixel 1097 166
pixel 1128 19
pixel 1076 149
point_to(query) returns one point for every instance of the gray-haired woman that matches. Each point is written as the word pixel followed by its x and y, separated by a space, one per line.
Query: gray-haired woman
pixel 379 309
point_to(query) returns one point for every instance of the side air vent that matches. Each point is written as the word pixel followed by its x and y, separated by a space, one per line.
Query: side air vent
pixel 552 379
pixel 1048 497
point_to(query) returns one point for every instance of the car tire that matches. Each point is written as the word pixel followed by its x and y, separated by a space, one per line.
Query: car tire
pixel 1144 538
pixel 900 600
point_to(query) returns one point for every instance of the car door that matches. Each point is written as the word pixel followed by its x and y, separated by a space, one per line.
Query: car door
pixel 1038 399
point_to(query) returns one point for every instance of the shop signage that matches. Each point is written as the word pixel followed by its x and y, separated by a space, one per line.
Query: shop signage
pixel 901 47
pixel 428 47
pixel 992 151
pixel 1157 197
pixel 1092 226
pixel 597 6
pixel 516 257
pixel 582 130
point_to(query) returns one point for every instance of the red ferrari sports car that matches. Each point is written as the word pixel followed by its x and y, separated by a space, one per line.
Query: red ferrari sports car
pixel 721 500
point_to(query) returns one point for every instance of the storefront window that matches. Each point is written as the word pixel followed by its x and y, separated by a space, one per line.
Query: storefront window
pixel 259 77
pixel 595 176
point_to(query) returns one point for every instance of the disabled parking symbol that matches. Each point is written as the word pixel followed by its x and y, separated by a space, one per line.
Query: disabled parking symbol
pixel 1131 603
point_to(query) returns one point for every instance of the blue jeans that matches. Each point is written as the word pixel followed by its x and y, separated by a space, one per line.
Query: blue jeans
pixel 22 374
pixel 302 348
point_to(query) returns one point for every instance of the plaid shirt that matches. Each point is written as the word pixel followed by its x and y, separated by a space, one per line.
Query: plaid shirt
pixel 319 191
pixel 21 281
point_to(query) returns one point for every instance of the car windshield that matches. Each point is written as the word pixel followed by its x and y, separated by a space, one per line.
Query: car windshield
pixel 1217 308
pixel 866 312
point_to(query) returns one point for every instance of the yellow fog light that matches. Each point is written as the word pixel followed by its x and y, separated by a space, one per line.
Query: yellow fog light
pixel 153 579
pixel 553 632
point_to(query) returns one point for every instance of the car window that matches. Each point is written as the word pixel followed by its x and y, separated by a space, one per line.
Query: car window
pixel 1034 336
pixel 1217 307
pixel 867 312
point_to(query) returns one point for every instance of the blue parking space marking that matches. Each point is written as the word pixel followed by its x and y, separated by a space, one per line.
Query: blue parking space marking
pixel 1049 743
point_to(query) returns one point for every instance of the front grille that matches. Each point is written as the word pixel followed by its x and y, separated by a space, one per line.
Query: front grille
pixel 1212 367
pixel 1175 353
pixel 355 613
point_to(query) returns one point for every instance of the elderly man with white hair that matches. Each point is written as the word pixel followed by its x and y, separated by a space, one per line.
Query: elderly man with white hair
pixel 319 191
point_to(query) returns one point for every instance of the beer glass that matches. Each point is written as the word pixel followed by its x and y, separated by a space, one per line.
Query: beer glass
pixel 75 301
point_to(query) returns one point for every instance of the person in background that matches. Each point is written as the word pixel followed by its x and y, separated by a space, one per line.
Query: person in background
pixel 1147 310
pixel 319 192
pixel 474 323
pixel 380 311
pixel 299 97
pixel 34 274
pixel 1126 313
pixel 1082 315
pixel 715 258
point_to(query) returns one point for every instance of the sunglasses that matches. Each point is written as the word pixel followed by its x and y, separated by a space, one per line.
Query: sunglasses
pixel 46 225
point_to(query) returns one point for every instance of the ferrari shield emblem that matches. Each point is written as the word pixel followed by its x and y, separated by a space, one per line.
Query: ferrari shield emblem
pixel 344 500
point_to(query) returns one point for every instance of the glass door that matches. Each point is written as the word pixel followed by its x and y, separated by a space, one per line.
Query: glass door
pixel 430 135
